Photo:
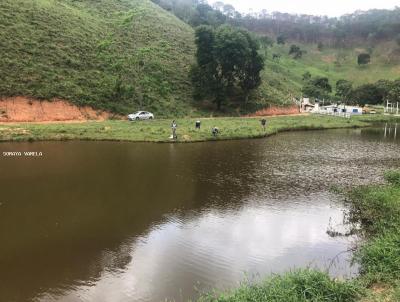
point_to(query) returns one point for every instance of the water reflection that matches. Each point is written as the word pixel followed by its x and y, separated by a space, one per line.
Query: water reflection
pixel 100 221
pixel 390 131
pixel 225 244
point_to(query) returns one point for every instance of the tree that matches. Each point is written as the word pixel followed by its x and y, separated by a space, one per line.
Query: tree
pixel 344 89
pixel 306 76
pixel 377 93
pixel 249 74
pixel 218 5
pixel 367 94
pixel 318 87
pixel 281 39
pixel 204 74
pixel 363 58
pixel 384 87
pixel 227 59
pixel 229 11
pixel 204 14
pixel 394 93
pixel 266 41
pixel 295 51
pixel 276 57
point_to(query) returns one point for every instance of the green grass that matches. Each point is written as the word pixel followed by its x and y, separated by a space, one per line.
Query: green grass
pixel 117 55
pixel 296 286
pixel 159 130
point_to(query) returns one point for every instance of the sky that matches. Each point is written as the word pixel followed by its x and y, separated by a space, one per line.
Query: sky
pixel 332 8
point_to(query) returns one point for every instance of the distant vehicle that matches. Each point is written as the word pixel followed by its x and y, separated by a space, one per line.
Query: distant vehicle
pixel 140 115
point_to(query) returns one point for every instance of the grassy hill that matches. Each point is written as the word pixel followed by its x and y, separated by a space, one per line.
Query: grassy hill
pixel 283 78
pixel 120 55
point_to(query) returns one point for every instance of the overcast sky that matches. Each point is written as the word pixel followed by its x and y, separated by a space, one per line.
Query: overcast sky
pixel 331 8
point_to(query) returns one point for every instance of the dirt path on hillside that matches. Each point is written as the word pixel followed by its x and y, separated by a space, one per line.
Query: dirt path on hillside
pixel 23 109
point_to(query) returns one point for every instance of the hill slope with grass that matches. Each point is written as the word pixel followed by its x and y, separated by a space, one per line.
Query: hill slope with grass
pixel 283 77
pixel 119 55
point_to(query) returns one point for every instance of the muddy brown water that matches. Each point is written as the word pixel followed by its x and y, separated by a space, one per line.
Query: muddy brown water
pixel 107 221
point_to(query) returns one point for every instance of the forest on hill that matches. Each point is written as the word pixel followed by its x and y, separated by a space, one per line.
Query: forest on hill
pixel 345 31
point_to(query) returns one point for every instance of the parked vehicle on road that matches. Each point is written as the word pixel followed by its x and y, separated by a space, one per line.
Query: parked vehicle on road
pixel 140 115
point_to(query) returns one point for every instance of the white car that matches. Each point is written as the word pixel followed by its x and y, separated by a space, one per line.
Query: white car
pixel 140 115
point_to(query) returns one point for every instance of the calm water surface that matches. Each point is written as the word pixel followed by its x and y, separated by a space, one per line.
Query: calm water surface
pixel 104 221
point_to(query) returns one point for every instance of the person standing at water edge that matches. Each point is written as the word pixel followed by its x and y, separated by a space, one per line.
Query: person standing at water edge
pixel 215 131
pixel 264 123
pixel 173 127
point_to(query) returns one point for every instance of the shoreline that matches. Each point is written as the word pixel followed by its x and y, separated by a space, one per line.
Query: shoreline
pixel 373 214
pixel 159 131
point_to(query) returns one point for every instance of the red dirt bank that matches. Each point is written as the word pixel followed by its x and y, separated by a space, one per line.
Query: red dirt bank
pixel 275 110
pixel 23 109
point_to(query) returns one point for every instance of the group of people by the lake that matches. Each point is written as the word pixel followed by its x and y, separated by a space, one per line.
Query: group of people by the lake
pixel 214 130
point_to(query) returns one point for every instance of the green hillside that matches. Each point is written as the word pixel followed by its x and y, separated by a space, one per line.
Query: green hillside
pixel 112 54
pixel 283 78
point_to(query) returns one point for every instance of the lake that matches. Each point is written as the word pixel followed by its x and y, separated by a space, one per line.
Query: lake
pixel 113 221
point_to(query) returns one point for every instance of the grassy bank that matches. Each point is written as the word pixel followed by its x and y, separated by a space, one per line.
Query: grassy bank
pixel 297 286
pixel 374 213
pixel 159 130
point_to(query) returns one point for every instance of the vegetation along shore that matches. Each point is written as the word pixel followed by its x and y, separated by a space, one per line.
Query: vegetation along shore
pixel 374 214
pixel 160 130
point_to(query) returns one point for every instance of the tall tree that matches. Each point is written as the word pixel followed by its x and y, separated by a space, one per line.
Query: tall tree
pixel 394 93
pixel 318 87
pixel 253 64
pixel 227 59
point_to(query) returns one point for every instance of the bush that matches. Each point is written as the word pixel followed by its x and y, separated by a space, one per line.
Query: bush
pixel 363 59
